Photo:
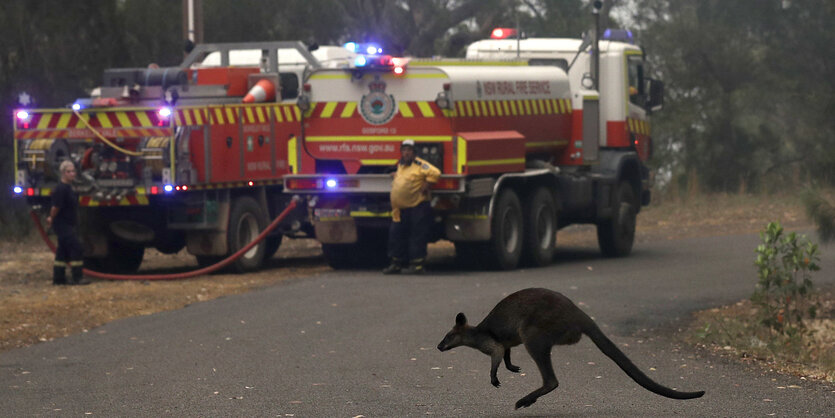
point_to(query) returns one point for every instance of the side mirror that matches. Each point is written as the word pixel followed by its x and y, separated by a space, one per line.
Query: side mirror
pixel 655 101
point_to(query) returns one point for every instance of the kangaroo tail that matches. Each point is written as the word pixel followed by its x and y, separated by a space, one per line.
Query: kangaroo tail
pixel 613 352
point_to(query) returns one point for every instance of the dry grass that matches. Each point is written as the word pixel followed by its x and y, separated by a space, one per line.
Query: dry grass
pixel 734 330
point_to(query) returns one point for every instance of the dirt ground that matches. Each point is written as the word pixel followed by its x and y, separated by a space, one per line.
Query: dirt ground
pixel 32 310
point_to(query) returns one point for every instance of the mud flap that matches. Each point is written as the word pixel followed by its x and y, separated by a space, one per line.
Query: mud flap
pixel 342 230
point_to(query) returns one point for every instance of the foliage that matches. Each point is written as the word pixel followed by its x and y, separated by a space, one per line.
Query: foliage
pixel 749 95
pixel 784 267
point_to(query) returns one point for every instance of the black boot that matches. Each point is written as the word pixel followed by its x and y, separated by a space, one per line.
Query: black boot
pixel 415 267
pixel 78 276
pixel 393 268
pixel 59 275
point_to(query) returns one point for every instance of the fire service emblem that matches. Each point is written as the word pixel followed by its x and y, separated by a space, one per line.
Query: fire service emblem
pixel 377 107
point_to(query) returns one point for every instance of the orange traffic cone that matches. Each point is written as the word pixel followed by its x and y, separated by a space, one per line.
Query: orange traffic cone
pixel 262 91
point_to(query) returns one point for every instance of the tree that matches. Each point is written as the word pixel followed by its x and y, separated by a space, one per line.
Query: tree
pixel 749 101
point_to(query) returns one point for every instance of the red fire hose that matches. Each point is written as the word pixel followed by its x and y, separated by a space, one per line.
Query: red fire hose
pixel 177 276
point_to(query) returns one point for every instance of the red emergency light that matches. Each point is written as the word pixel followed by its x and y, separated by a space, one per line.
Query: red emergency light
pixel 503 33
pixel 447 184
pixel 302 184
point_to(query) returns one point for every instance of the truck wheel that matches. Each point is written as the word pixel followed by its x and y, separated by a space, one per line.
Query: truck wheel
pixel 169 242
pixel 204 261
pixel 271 245
pixel 122 258
pixel 540 223
pixel 339 256
pixel 246 221
pixel 616 235
pixel 505 245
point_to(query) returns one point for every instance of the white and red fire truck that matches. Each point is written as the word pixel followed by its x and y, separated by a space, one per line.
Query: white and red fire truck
pixel 559 135
pixel 182 157
pixel 176 157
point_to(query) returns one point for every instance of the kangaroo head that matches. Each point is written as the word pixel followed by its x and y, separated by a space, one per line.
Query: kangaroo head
pixel 461 334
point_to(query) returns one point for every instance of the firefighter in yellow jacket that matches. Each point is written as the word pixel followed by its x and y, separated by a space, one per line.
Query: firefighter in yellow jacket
pixel 410 211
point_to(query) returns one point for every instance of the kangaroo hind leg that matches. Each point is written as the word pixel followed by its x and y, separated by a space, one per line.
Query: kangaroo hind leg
pixel 540 351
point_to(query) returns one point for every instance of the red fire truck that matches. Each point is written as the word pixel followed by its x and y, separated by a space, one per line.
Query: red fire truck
pixel 557 136
pixel 172 158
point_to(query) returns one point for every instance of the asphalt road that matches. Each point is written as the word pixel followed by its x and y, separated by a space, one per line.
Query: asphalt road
pixel 348 344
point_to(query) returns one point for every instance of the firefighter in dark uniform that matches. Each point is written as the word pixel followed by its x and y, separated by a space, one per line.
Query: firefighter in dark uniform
pixel 410 212
pixel 63 219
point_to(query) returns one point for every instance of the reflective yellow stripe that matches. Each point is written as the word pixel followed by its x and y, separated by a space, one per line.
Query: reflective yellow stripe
pixel 467 216
pixel 426 110
pixel 557 143
pixel 230 115
pixel 368 214
pixel 292 158
pixel 44 122
pixel 278 116
pixel 259 111
pixel 483 163
pixel 297 112
pixel 349 109
pixel 405 110
pixel 78 263
pixel 288 115
pixel 378 162
pixel 104 120
pixel 57 263
pixel 64 120
pixel 328 110
pixel 122 117
pixel 462 154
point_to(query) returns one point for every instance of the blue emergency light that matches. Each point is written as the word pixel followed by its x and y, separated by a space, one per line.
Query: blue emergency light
pixel 619 35
pixel 363 48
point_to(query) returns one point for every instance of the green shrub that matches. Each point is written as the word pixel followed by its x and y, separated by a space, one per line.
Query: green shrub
pixel 785 263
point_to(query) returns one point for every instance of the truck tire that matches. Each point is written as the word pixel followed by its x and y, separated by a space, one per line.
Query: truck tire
pixel 246 221
pixel 615 236
pixel 505 246
pixel 339 256
pixel 271 245
pixel 540 227
pixel 122 258
pixel 169 242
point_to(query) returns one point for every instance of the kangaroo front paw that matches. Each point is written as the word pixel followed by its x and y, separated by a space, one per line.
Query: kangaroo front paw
pixel 514 369
pixel 525 402
pixel 495 382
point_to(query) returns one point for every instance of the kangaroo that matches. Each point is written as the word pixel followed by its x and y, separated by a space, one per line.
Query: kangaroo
pixel 541 319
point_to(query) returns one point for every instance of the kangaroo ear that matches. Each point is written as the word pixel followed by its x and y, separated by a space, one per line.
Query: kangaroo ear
pixel 460 319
